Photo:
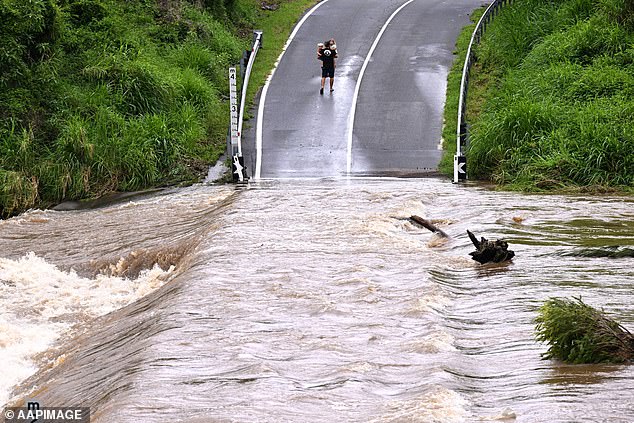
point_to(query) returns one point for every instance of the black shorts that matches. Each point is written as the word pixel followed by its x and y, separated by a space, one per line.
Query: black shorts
pixel 327 72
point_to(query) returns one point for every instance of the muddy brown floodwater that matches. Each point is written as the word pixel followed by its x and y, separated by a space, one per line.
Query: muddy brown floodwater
pixel 312 301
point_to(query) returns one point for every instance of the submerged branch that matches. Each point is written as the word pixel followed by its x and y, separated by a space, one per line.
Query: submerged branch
pixel 428 225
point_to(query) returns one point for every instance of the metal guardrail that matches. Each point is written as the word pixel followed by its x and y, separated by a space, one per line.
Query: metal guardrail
pixel 257 42
pixel 460 161
pixel 234 147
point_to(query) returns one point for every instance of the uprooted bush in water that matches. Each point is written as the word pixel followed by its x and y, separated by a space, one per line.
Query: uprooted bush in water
pixel 578 333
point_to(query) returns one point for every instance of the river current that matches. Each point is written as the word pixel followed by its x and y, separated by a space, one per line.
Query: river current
pixel 312 300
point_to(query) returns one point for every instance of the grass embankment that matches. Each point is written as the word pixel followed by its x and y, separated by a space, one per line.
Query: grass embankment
pixel 98 96
pixel 551 100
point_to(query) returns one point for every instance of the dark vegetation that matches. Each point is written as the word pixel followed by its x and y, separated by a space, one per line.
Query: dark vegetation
pixel 98 96
pixel 579 333
pixel 551 100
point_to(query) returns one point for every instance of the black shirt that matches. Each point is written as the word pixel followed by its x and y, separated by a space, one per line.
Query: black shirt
pixel 328 59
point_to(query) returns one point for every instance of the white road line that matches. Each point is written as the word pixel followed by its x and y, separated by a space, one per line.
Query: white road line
pixel 258 129
pixel 353 109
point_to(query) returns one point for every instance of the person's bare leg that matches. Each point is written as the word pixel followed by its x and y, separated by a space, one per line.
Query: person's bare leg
pixel 332 83
pixel 323 82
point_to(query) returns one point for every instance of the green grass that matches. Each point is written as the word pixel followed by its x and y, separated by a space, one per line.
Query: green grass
pixel 551 100
pixel 578 333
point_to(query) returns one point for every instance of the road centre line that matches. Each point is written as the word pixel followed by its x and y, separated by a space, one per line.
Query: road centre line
pixel 258 129
pixel 355 96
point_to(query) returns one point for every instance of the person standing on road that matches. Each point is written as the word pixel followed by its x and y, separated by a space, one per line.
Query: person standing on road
pixel 327 53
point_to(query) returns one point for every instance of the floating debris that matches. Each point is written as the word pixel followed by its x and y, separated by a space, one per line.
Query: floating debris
pixel 578 333
pixel 490 251
pixel 428 225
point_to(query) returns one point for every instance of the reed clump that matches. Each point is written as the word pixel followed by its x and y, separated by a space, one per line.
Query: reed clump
pixel 551 100
pixel 578 333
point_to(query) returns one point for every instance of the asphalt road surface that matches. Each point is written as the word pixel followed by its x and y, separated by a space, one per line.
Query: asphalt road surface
pixel 393 125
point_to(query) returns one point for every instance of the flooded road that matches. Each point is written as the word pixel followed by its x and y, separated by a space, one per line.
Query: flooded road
pixel 312 301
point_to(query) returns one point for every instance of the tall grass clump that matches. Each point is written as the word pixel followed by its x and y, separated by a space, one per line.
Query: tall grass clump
pixel 553 103
pixel 578 333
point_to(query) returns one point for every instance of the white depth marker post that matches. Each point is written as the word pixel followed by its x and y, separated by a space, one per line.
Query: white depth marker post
pixel 235 131
pixel 233 103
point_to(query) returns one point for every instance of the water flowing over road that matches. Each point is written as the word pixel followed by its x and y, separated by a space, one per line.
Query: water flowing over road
pixel 385 115
pixel 312 300
pixel 317 300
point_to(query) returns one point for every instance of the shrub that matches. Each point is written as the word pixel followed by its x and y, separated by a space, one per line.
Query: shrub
pixel 26 35
pixel 17 192
pixel 579 333
pixel 84 12
pixel 134 84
